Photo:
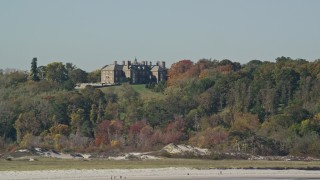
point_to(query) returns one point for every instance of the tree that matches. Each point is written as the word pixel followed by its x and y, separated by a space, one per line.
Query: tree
pixel 59 109
pixel 94 76
pixel 306 145
pixel 245 124
pixel 116 129
pixel 7 118
pixel 92 94
pixel 57 72
pixel 210 137
pixel 111 111
pixel 155 113
pixel 174 131
pixel 287 82
pixel 78 76
pixel 177 70
pixel 77 119
pixel 34 70
pixel 17 77
pixel 61 129
pixel 70 67
pixel 93 114
pixel 103 133
pixel 27 123
pixel 42 72
pixel 134 131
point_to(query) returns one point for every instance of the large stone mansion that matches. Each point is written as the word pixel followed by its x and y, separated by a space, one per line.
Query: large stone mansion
pixel 135 73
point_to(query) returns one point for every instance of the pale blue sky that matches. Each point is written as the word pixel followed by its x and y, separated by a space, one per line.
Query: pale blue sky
pixel 92 33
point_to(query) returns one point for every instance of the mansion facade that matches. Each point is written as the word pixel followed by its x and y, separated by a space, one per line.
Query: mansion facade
pixel 135 73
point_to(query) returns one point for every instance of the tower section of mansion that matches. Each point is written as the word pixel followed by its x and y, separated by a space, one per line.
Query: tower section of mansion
pixel 135 73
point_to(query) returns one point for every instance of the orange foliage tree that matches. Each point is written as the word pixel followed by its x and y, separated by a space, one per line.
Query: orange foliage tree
pixel 109 132
pixel 177 70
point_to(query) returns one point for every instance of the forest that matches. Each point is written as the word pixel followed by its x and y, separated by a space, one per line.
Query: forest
pixel 261 107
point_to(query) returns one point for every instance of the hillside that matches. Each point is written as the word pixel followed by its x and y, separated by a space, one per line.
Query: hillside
pixel 142 91
pixel 261 108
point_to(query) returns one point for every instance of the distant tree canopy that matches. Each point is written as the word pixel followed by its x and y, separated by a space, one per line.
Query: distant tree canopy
pixel 65 74
pixel 265 108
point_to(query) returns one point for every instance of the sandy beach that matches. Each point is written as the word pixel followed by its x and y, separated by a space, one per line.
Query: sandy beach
pixel 162 173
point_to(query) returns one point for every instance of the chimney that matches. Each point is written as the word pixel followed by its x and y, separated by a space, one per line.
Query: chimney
pixel 150 63
pixel 115 62
pixel 158 63
pixel 123 62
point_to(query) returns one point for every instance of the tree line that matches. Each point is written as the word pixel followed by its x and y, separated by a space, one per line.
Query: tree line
pixel 261 107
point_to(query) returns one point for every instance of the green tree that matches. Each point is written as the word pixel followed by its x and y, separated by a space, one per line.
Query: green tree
pixel 34 70
pixel 287 82
pixel 77 118
pixel 79 76
pixel 112 111
pixel 57 72
pixel 155 113
pixel 7 118
pixel 27 123
pixel 93 114
pixel 94 76
pixel 70 67
pixel 80 123
pixel 60 109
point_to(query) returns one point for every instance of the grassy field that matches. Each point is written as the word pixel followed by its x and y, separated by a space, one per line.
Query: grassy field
pixel 139 88
pixel 64 164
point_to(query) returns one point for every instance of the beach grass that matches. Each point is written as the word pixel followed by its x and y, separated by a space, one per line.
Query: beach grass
pixel 65 164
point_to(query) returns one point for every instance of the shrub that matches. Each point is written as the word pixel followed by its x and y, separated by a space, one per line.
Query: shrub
pixel 307 145
pixel 2 143
pixel 30 140
pixel 210 137
pixel 115 144
pixel 78 142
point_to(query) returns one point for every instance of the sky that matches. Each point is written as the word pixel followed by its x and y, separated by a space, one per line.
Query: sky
pixel 94 33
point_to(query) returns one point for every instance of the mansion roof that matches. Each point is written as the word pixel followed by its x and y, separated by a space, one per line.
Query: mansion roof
pixel 115 66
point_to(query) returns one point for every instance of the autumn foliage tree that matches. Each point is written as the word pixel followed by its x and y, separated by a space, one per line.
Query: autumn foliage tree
pixel 103 133
pixel 109 133
pixel 134 132
pixel 174 132
pixel 177 70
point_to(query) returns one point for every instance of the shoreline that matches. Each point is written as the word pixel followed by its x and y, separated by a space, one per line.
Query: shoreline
pixel 161 173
